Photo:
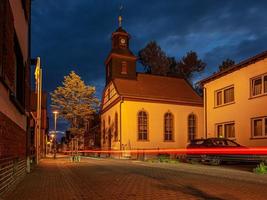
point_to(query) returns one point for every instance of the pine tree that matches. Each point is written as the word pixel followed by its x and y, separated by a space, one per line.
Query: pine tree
pixel 190 64
pixel 226 64
pixel 154 59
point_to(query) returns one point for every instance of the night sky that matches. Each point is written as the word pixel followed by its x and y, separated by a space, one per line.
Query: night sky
pixel 76 34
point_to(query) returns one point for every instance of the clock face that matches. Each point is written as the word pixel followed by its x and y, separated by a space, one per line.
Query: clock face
pixel 122 41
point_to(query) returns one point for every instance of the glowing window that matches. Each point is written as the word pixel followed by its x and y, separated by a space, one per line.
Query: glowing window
pixel 259 127
pixel 192 127
pixel 224 96
pixel 168 127
pixel 142 126
pixel 104 132
pixel 226 130
pixel 116 127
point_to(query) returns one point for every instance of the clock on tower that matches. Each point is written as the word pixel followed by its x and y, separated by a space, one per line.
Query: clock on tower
pixel 121 62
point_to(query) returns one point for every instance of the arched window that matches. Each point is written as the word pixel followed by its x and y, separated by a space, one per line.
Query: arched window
pixel 142 125
pixel 168 127
pixel 116 127
pixel 104 132
pixel 192 126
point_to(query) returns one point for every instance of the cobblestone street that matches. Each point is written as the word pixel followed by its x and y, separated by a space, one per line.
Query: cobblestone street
pixel 123 179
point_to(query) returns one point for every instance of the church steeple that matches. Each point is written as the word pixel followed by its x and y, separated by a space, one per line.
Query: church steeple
pixel 121 62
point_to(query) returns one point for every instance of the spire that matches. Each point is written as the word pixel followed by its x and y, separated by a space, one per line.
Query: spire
pixel 120 16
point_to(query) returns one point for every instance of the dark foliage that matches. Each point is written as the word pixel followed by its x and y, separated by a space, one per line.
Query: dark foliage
pixel 226 64
pixel 155 61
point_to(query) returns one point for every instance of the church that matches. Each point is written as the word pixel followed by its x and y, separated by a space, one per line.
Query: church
pixel 145 111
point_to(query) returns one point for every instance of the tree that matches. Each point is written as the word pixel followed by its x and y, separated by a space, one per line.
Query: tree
pixel 154 59
pixel 226 64
pixel 189 64
pixel 75 101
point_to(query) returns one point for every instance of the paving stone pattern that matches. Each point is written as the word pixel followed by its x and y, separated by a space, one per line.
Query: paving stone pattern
pixel 98 179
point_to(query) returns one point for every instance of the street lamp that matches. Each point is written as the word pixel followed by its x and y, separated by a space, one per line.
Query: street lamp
pixel 55 123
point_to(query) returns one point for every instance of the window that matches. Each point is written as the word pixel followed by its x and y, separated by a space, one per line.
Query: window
pixel 229 130
pixel 224 96
pixel 124 67
pixel 229 95
pixel 220 131
pixel 142 126
pixel 226 130
pixel 192 127
pixel 259 127
pixel 104 132
pixel 168 127
pixel 116 127
pixel 259 85
pixel 219 98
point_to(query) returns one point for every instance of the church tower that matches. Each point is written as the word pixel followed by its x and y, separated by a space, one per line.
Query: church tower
pixel 121 62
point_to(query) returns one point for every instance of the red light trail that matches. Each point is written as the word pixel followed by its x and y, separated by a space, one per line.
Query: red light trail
pixel 221 151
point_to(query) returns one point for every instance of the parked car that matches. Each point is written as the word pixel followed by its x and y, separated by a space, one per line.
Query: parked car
pixel 216 158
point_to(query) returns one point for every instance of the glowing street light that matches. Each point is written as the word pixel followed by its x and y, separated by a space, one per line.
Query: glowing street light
pixel 55 112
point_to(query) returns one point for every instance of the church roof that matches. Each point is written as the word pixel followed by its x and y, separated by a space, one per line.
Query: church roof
pixel 158 88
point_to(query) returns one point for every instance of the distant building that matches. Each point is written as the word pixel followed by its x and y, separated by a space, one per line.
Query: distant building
pixel 92 135
pixel 44 123
pixel 235 102
pixel 144 111
pixel 14 90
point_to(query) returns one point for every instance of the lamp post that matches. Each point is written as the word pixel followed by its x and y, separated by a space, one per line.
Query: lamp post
pixel 55 139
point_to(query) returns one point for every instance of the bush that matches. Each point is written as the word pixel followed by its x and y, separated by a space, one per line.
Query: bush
pixel 261 169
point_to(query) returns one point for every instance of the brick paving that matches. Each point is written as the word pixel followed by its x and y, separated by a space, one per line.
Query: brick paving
pixel 121 179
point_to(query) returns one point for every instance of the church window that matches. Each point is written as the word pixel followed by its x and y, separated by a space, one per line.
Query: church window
pixel 116 127
pixel 168 127
pixel 124 69
pixel 142 126
pixel 192 127
pixel 104 132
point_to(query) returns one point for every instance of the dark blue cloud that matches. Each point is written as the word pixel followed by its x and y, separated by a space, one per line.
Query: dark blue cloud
pixel 75 34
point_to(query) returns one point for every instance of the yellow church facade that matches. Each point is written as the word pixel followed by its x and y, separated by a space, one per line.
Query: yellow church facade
pixel 130 121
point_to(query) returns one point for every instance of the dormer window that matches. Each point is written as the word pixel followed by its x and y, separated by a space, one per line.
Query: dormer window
pixel 124 67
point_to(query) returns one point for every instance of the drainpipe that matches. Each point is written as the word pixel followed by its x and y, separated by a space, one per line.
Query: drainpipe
pixel 205 112
pixel 121 102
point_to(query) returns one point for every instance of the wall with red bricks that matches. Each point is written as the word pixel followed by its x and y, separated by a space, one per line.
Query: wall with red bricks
pixel 12 139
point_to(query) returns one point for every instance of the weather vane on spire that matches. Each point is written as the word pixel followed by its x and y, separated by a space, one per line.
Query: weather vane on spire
pixel 120 15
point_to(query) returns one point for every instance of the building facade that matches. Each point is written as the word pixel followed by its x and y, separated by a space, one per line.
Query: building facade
pixel 144 111
pixel 44 125
pixel 14 90
pixel 235 102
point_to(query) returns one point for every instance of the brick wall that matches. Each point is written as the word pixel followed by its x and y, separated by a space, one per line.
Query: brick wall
pixel 12 139
pixel 7 48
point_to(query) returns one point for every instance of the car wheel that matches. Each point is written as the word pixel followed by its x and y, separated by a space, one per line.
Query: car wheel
pixel 215 161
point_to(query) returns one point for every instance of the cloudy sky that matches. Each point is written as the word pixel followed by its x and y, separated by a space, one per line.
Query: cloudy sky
pixel 75 34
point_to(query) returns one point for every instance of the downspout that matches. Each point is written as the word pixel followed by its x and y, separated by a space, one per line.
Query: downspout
pixel 205 112
pixel 27 100
pixel 121 102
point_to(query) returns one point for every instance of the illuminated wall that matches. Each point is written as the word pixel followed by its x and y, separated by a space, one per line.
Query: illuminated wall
pixel 243 109
pixel 129 128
